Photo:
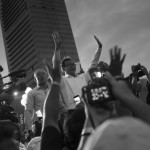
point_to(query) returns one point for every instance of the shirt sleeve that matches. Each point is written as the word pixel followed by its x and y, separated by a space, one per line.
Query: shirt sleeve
pixel 51 139
pixel 29 111
pixel 94 63
pixel 96 57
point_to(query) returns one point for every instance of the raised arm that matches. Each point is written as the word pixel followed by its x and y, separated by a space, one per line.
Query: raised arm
pixel 28 113
pixel 97 55
pixel 51 105
pixel 51 137
pixel 58 42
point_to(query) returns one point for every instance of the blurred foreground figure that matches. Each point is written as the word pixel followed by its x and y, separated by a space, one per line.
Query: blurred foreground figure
pixel 120 134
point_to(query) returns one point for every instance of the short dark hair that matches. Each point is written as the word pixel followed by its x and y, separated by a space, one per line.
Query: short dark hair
pixel 65 59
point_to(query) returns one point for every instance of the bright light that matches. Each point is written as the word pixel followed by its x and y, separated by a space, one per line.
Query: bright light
pixel 28 89
pixel 39 113
pixel 15 93
pixel 24 96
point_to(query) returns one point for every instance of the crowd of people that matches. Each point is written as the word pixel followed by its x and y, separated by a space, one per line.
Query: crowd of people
pixel 98 109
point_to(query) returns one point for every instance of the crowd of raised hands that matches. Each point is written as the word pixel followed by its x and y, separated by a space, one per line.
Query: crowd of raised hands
pixel 125 105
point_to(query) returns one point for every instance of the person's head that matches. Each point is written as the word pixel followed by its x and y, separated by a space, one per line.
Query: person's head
pixel 9 135
pixel 41 76
pixel 68 66
pixel 103 66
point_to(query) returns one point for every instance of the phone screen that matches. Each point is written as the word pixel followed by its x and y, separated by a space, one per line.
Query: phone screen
pixel 77 99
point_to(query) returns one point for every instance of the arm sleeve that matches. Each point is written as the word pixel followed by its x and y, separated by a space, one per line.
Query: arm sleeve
pixel 29 111
pixel 96 57
pixel 56 60
pixel 94 63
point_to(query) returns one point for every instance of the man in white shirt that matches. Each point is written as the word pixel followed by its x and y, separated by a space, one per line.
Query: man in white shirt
pixel 36 97
pixel 71 84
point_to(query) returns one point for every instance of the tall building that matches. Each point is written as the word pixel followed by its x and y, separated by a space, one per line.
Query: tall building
pixel 27 26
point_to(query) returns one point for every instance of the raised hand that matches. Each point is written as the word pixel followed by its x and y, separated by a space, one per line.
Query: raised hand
pixel 57 40
pixel 119 88
pixel 98 42
pixel 116 61
pixel 53 72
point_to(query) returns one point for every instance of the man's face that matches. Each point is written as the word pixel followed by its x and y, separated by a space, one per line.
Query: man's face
pixel 70 66
pixel 41 76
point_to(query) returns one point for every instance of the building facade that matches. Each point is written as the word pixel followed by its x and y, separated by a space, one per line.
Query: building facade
pixel 27 26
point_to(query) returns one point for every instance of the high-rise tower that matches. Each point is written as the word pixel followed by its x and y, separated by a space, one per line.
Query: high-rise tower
pixel 27 26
